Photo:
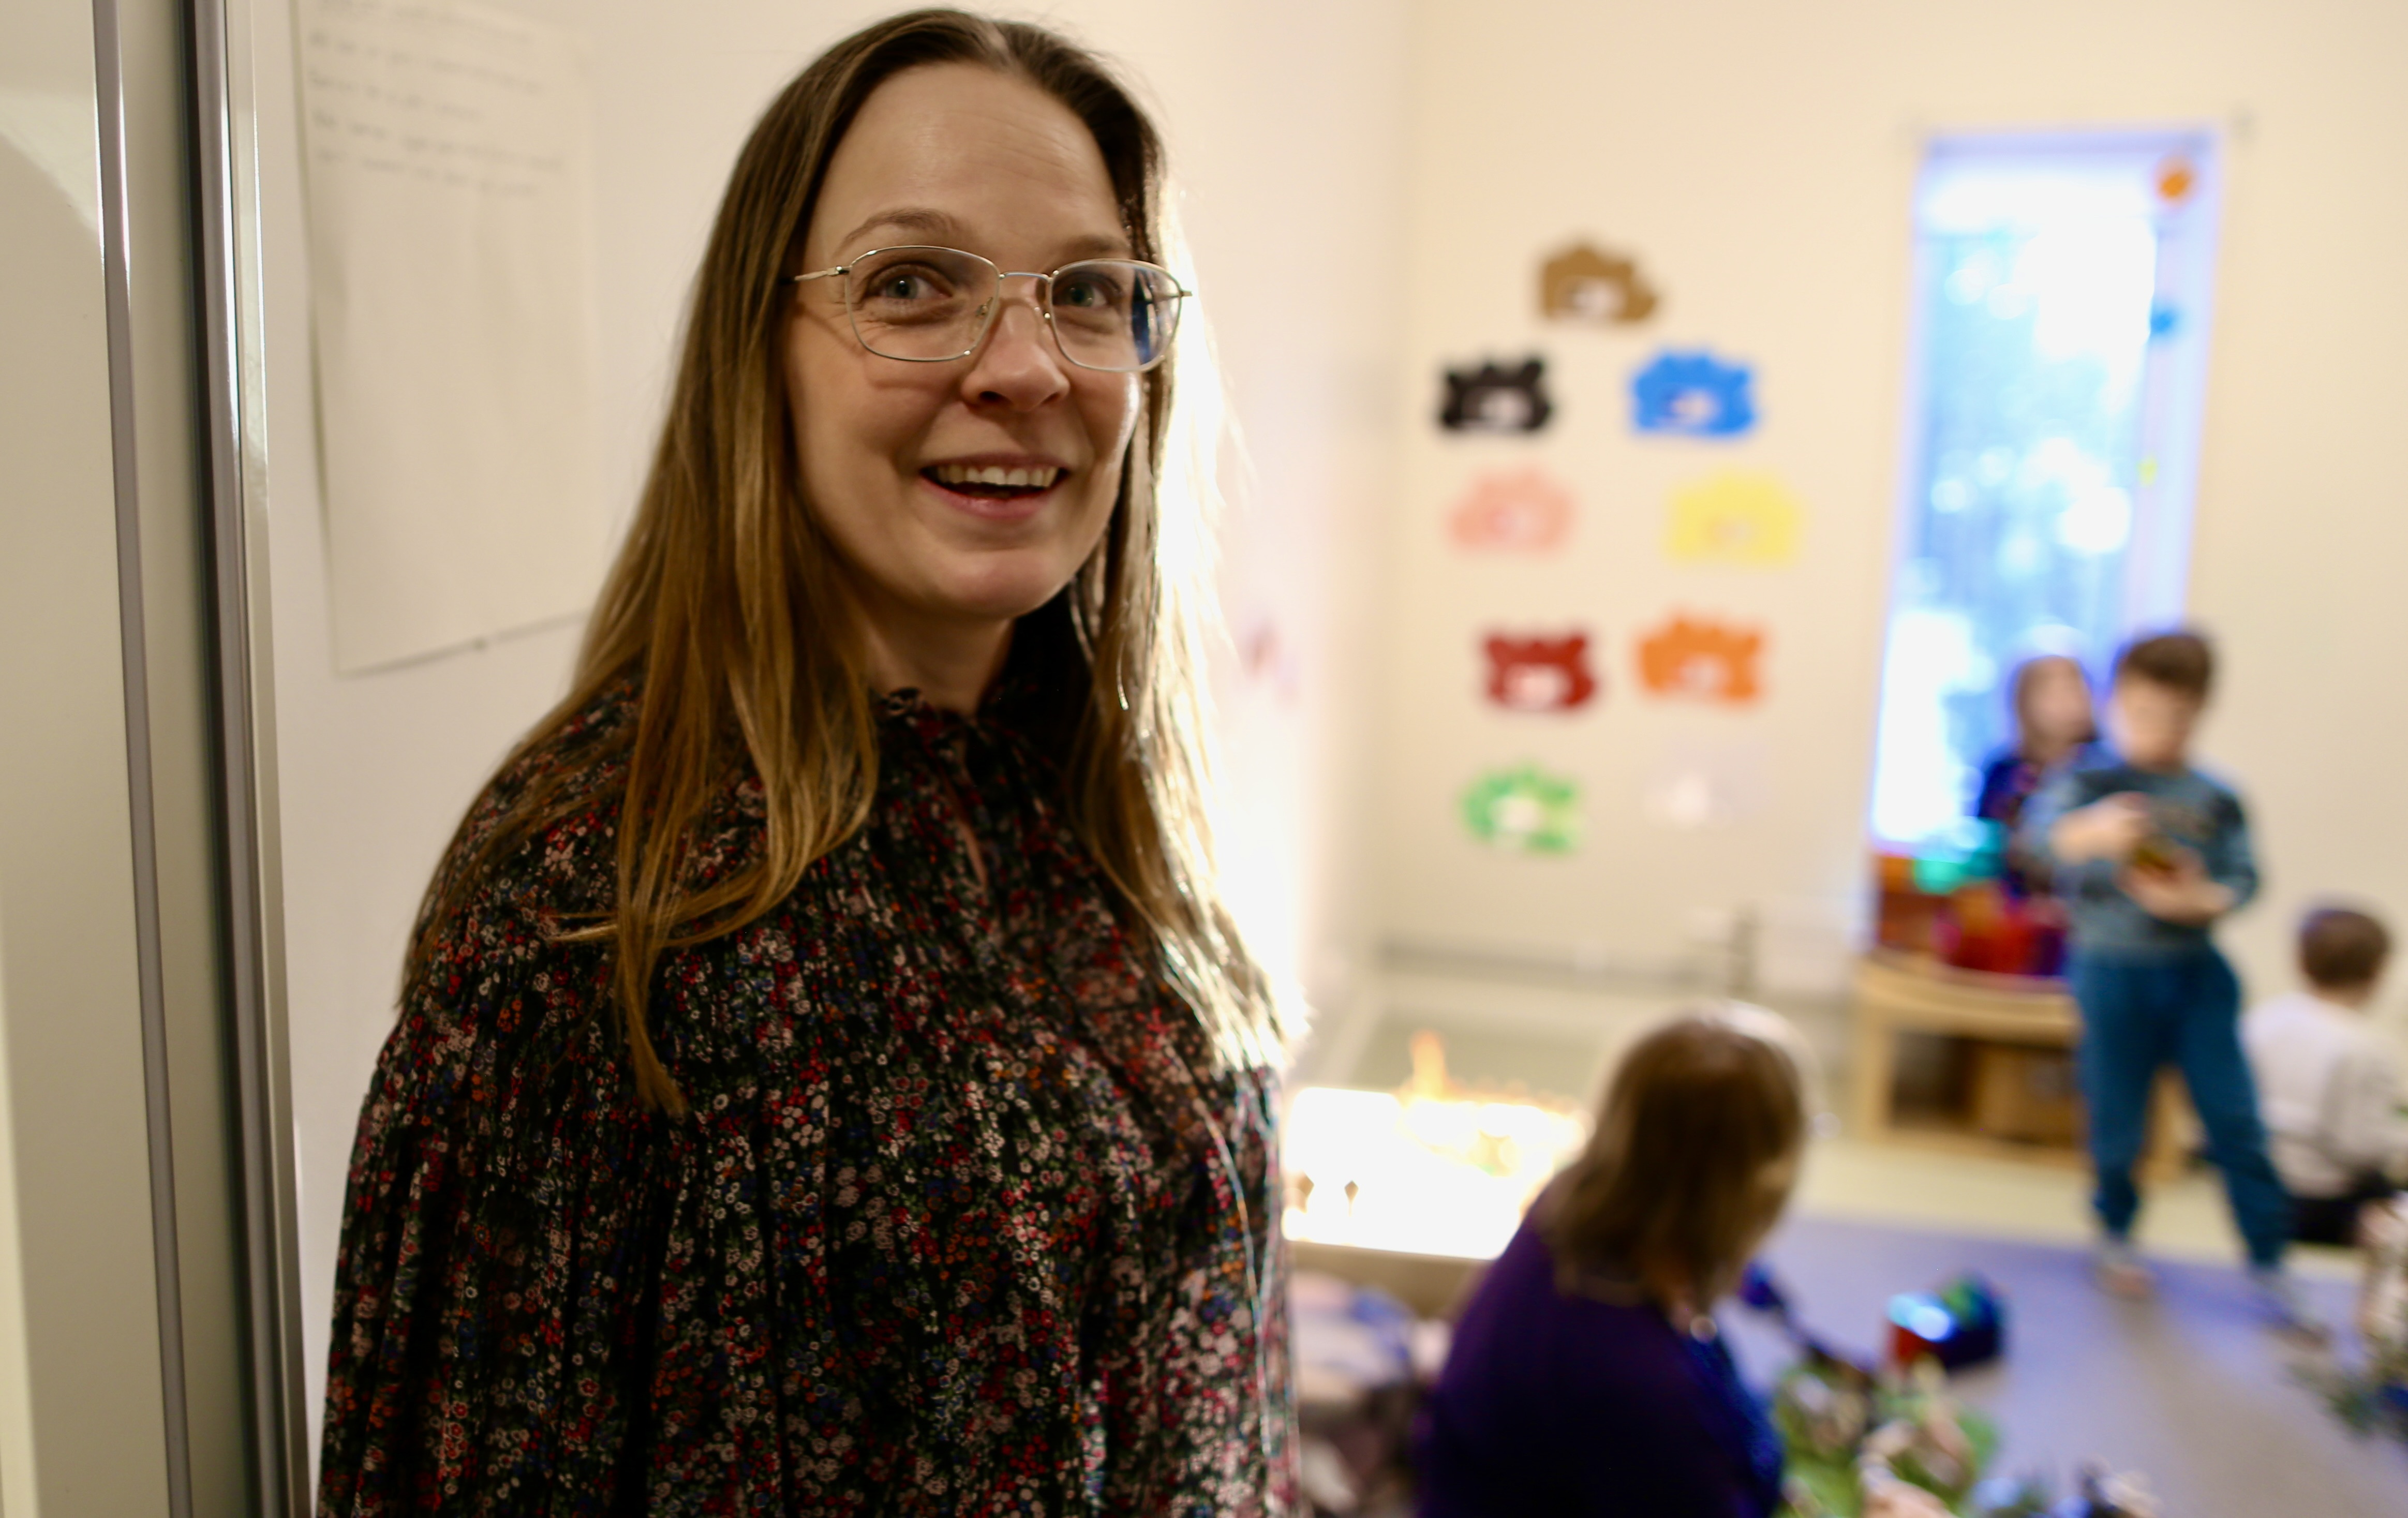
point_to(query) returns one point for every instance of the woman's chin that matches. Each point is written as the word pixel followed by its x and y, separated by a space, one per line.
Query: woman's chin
pixel 1000 593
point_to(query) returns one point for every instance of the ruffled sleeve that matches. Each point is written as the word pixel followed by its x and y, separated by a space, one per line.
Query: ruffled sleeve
pixel 493 1263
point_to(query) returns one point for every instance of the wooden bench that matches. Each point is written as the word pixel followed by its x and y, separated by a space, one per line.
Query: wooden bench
pixel 1901 993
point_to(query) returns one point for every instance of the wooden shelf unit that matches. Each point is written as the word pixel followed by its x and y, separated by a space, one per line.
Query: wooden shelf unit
pixel 1898 994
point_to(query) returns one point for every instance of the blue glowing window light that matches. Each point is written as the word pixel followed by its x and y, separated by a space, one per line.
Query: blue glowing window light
pixel 2061 339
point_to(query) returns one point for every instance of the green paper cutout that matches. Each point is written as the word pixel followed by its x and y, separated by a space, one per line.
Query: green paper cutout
pixel 1524 808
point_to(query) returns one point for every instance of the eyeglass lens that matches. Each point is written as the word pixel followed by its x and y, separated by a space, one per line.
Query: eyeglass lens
pixel 935 303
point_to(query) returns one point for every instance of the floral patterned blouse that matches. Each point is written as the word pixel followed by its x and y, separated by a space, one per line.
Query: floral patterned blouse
pixel 963 1220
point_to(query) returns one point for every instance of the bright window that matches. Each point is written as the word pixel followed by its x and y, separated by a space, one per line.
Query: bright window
pixel 2061 290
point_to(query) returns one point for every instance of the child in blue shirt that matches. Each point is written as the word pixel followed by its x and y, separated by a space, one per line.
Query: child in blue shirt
pixel 2148 855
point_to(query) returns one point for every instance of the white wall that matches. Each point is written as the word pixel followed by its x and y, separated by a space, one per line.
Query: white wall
pixel 376 769
pixel 1758 157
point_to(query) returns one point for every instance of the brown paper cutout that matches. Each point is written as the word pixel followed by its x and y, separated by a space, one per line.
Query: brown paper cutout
pixel 1585 283
pixel 1703 659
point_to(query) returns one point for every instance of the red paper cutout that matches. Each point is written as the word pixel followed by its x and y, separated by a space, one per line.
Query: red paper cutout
pixel 1703 659
pixel 1518 509
pixel 1541 674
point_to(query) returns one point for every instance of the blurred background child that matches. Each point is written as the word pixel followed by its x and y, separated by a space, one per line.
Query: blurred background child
pixel 2054 724
pixel 2148 855
pixel 2328 1083
pixel 1587 1374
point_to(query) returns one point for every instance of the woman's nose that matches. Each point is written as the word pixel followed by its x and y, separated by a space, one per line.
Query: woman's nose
pixel 1018 364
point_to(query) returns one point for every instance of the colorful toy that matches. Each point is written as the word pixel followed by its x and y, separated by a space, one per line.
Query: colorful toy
pixel 2372 1392
pixel 2106 1495
pixel 1903 1448
pixel 1962 1325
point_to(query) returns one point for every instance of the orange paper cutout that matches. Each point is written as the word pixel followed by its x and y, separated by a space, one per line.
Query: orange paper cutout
pixel 1521 510
pixel 1703 659
pixel 2177 179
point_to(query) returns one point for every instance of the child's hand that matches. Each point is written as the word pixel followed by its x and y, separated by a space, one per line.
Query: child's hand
pixel 2179 893
pixel 2108 829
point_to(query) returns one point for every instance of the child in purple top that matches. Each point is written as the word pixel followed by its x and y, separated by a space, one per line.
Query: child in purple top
pixel 1587 1376
pixel 2054 726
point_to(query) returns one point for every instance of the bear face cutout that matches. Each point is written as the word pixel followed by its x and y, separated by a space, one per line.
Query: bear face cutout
pixel 1693 394
pixel 1517 511
pixel 1587 284
pixel 1495 399
pixel 1704 659
pixel 1524 810
pixel 1541 674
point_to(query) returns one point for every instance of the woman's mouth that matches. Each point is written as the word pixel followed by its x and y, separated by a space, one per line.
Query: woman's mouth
pixel 995 481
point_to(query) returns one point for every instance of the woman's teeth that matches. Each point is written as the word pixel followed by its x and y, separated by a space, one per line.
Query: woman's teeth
pixel 988 477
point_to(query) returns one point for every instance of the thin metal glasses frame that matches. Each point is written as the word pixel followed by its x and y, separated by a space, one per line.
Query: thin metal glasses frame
pixel 994 305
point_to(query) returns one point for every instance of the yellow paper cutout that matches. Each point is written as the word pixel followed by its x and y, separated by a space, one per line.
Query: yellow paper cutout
pixel 1734 517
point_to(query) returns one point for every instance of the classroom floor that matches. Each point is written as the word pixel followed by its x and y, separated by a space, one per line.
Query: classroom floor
pixel 2187 1389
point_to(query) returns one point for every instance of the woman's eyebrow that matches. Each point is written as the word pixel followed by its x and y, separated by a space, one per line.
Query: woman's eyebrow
pixel 1096 245
pixel 911 218
pixel 939 228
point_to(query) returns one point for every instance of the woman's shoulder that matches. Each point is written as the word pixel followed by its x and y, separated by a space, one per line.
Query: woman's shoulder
pixel 542 835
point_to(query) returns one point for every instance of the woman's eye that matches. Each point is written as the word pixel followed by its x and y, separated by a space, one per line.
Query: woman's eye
pixel 1087 292
pixel 908 285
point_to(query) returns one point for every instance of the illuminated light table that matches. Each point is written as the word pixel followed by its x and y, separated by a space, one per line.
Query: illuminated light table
pixel 1897 993
pixel 1413 1193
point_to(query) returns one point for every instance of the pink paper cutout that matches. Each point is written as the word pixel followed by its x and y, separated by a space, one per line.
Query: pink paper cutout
pixel 1516 510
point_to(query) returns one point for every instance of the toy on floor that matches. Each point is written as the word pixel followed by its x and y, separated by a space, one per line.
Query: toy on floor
pixel 2102 1494
pixel 1964 1323
pixel 2374 1393
pixel 1896 1445
pixel 1853 1441
pixel 2106 1495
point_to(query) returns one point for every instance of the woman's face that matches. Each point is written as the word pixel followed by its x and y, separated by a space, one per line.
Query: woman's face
pixel 958 156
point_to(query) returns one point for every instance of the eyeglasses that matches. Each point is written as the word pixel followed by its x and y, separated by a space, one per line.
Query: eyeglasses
pixel 935 305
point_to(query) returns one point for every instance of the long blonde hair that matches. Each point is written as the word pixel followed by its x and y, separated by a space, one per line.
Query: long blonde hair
pixel 724 600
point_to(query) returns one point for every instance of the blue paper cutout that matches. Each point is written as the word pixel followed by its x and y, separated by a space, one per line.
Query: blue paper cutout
pixel 2164 320
pixel 1693 394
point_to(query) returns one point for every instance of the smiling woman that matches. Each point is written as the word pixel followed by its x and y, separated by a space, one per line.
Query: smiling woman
pixel 826 1080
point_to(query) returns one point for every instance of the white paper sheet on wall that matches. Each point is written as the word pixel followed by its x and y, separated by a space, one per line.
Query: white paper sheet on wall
pixel 449 183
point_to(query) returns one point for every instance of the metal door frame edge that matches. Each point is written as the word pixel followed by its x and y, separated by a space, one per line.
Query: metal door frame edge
pixel 228 237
